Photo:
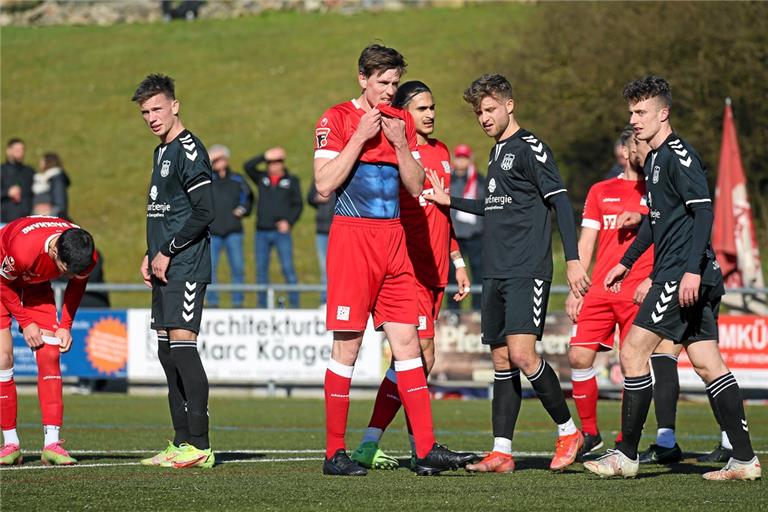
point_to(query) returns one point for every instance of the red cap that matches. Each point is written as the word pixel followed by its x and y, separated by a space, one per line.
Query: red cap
pixel 462 150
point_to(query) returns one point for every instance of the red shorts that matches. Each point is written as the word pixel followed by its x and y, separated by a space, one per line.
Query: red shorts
pixel 596 328
pixel 368 272
pixel 429 300
pixel 39 303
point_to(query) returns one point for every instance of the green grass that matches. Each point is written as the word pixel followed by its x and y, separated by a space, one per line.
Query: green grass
pixel 249 479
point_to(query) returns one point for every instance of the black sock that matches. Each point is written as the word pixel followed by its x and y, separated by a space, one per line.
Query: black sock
pixel 726 396
pixel 638 393
pixel 666 389
pixel 177 401
pixel 547 387
pixel 190 367
pixel 716 414
pixel 505 406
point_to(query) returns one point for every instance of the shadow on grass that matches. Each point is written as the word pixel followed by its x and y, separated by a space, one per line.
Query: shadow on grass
pixel 231 456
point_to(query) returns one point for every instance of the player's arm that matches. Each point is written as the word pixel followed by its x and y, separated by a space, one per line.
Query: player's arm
pixel 590 227
pixel 245 199
pixel 252 166
pixel 402 135
pixel 10 298
pixel 438 195
pixel 73 295
pixel 640 244
pixel 462 278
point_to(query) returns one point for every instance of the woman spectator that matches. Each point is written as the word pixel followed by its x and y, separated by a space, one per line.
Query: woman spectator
pixel 50 187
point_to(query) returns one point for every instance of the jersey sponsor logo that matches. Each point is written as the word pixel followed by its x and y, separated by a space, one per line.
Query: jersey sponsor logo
pixel 8 268
pixel 492 185
pixel 609 221
pixel 342 313
pixel 153 192
pixel 656 171
pixel 611 199
pixel 654 215
pixel 165 170
pixel 321 134
pixel 446 166
pixel 508 161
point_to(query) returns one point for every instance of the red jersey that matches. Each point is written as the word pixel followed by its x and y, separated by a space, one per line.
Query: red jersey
pixel 24 245
pixel 606 200
pixel 424 221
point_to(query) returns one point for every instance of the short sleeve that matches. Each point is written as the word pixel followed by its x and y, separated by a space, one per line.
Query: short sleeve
pixel 542 168
pixel 195 168
pixel 591 216
pixel 329 135
pixel 410 134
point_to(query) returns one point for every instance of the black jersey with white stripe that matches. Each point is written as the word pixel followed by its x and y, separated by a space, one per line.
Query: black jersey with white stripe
pixel 522 178
pixel 676 185
pixel 178 168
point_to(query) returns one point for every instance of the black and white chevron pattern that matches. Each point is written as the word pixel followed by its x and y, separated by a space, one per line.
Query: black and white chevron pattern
pixel 188 313
pixel 538 299
pixel 681 152
pixel 189 147
pixel 537 147
pixel 663 303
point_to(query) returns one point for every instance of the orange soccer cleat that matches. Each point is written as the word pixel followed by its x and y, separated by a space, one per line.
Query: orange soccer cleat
pixel 494 462
pixel 566 449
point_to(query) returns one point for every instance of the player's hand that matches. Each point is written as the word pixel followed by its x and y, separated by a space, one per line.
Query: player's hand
pixel 160 266
pixel 615 276
pixel 33 336
pixel 66 339
pixel 370 124
pixel 14 192
pixel 144 269
pixel 462 279
pixel 577 277
pixel 394 131
pixel 436 194
pixel 642 290
pixel 573 307
pixel 689 289
pixel 628 220
pixel 283 226
pixel 238 212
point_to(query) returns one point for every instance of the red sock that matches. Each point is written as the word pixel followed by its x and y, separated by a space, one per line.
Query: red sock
pixel 585 396
pixel 338 380
pixel 49 384
pixel 7 400
pixel 387 403
pixel 414 393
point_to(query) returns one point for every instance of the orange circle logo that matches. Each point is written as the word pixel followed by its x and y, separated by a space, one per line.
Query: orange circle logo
pixel 106 345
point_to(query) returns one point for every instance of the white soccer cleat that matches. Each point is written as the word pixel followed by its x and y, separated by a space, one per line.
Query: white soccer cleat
pixel 613 463
pixel 736 470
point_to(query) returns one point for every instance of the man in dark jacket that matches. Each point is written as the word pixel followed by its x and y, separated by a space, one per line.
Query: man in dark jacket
pixel 278 207
pixel 16 183
pixel 234 200
pixel 324 206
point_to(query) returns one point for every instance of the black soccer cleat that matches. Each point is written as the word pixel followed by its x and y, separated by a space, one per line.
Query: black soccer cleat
pixel 341 465
pixel 656 454
pixel 592 443
pixel 719 454
pixel 441 459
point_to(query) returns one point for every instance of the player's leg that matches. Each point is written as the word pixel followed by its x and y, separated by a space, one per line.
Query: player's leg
pixel 234 245
pixel 284 243
pixel 217 244
pixel 724 450
pixel 263 248
pixel 10 453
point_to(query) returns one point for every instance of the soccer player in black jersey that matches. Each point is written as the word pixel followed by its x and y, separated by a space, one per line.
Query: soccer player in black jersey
pixel 177 266
pixel 684 299
pixel 524 184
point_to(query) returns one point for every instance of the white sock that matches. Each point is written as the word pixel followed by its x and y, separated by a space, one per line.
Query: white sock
pixel 665 437
pixel 503 445
pixel 566 429
pixel 10 437
pixel 372 434
pixel 413 443
pixel 51 434
pixel 724 441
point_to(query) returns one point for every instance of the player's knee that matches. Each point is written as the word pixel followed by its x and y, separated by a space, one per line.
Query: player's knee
pixel 6 359
pixel 48 357
pixel 526 360
pixel 580 359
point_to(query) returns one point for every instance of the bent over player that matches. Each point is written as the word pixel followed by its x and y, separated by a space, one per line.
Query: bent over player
pixel 35 250
pixel 177 266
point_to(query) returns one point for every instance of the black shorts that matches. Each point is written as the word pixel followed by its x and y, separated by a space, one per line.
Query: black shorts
pixel 661 313
pixel 517 305
pixel 177 305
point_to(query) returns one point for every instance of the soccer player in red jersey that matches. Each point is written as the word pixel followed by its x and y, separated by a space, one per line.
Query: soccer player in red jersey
pixel 35 250
pixel 430 241
pixel 612 213
pixel 364 150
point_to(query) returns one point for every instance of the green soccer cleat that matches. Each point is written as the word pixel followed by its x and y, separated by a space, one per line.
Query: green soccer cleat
pixel 370 456
pixel 55 455
pixel 191 457
pixel 164 458
pixel 10 455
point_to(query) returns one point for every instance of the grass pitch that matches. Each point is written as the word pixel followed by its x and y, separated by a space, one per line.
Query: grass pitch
pixel 270 453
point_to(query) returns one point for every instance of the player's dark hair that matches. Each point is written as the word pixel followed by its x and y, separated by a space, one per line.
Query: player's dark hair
pixel 152 85
pixel 627 134
pixel 488 85
pixel 649 87
pixel 51 160
pixel 14 140
pixel 376 58
pixel 407 91
pixel 75 249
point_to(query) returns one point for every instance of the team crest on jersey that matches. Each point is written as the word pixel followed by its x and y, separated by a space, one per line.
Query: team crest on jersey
pixel 8 267
pixel 165 170
pixel 153 192
pixel 656 170
pixel 492 185
pixel 446 166
pixel 321 134
pixel 508 161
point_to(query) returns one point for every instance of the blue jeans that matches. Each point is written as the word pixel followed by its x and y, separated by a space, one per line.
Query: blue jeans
pixel 321 242
pixel 233 243
pixel 265 241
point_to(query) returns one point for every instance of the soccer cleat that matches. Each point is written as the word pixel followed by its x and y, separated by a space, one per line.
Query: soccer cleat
pixel 613 463
pixel 494 462
pixel 341 465
pixel 566 449
pixel 370 456
pixel 441 459
pixel 192 457
pixel 164 458
pixel 592 443
pixel 55 455
pixel 656 454
pixel 10 455
pixel 719 454
pixel 736 470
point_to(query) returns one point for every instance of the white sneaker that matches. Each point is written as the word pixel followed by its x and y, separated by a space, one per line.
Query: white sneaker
pixel 736 470
pixel 613 463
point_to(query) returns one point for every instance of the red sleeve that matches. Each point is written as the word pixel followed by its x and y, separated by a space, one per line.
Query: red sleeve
pixel 410 134
pixel 73 295
pixel 330 137
pixel 12 302
pixel 591 218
